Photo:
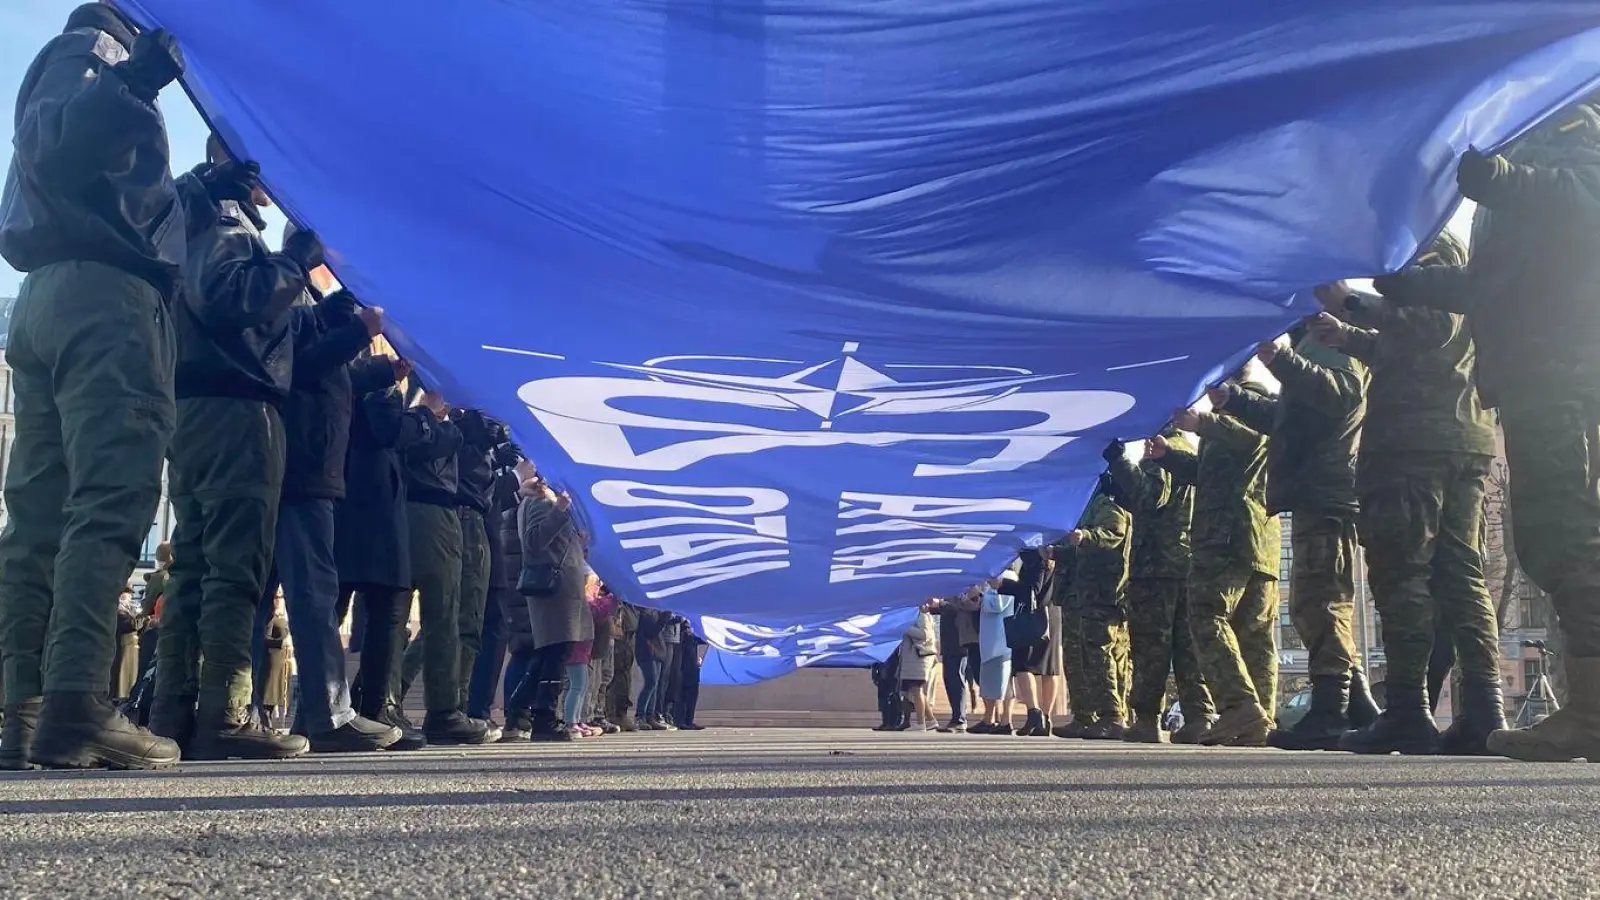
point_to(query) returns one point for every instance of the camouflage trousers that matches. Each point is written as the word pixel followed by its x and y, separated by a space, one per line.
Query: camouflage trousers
pixel 1322 594
pixel 1072 660
pixel 1103 666
pixel 1232 612
pixel 1553 451
pixel 1421 522
pixel 1161 642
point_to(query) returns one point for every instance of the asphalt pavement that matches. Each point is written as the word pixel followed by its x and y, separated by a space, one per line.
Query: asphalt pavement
pixel 775 813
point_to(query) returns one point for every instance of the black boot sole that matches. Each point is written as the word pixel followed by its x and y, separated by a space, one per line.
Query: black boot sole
pixel 91 757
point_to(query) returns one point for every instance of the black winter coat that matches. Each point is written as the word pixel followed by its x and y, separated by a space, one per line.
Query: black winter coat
pixel 431 468
pixel 505 498
pixel 91 175
pixel 519 623
pixel 371 536
pixel 235 323
pixel 316 416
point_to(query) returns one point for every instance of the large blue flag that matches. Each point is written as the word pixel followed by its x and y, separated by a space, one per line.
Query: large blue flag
pixel 821 307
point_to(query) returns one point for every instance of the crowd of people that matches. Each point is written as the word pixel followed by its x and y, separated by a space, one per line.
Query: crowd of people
pixel 1380 434
pixel 155 326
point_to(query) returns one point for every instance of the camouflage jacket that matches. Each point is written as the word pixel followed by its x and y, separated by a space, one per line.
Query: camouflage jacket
pixel 1100 571
pixel 1315 426
pixel 1229 474
pixel 1531 291
pixel 1162 509
pixel 1422 398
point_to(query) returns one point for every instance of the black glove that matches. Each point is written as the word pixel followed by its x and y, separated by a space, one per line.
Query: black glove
pixel 154 62
pixel 1476 172
pixel 305 248
pixel 232 180
pixel 1114 451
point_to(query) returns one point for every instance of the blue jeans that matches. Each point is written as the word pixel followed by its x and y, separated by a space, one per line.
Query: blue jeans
pixel 649 705
pixel 491 657
pixel 311 590
pixel 577 692
pixel 955 683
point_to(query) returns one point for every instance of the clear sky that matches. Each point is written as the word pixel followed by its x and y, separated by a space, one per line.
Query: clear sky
pixel 25 27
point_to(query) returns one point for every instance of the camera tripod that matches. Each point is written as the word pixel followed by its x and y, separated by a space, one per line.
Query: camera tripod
pixel 1541 699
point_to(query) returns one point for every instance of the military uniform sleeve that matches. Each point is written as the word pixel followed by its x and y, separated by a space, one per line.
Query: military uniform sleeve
pixel 1565 193
pixel 1254 410
pixel 1107 528
pixel 1182 465
pixel 1445 288
pixel 1362 343
pixel 1148 488
pixel 1332 392
pixel 1412 326
pixel 78 118
pixel 1226 430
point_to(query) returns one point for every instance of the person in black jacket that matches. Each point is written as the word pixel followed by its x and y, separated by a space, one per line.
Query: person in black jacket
pixel 435 549
pixel 91 214
pixel 485 451
pixel 236 356
pixel 329 334
pixel 372 545
pixel 492 652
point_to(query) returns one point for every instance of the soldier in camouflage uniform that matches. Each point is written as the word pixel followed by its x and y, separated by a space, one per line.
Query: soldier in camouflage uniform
pixel 1233 571
pixel 1063 593
pixel 1315 427
pixel 1158 605
pixel 1424 461
pixel 1100 578
pixel 1529 295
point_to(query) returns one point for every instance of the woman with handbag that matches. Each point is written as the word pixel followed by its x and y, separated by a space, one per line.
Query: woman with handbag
pixel 552 578
pixel 919 650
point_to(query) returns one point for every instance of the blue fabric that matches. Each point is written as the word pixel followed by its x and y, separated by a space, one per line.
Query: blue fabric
pixel 822 308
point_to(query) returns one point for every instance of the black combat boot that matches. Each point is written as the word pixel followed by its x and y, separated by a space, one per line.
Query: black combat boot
pixel 546 727
pixel 1074 729
pixel 1106 728
pixel 411 737
pixel 1146 729
pixel 453 728
pixel 1193 729
pixel 1405 727
pixel 236 734
pixel 172 717
pixel 1482 713
pixel 1363 709
pixel 83 730
pixel 16 739
pixel 358 735
pixel 1325 723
